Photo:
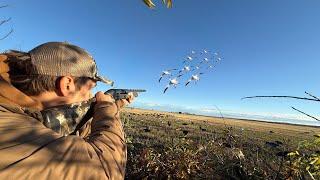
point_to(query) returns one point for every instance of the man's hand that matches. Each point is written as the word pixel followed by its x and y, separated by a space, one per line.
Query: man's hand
pixel 104 97
pixel 124 102
pixel 107 107
pixel 100 96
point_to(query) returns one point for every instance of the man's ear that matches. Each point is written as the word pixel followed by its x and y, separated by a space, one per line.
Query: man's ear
pixel 66 86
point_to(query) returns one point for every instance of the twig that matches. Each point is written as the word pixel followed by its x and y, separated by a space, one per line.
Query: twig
pixel 310 175
pixel 4 6
pixel 4 21
pixel 305 113
pixel 6 35
pixel 315 97
pixel 224 121
pixel 292 97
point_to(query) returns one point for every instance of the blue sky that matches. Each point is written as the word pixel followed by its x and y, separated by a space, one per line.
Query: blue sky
pixel 268 47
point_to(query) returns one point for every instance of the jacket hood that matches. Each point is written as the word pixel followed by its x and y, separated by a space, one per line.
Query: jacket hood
pixel 11 95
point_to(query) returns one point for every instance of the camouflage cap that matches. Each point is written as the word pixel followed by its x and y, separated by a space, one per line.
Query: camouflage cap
pixel 63 59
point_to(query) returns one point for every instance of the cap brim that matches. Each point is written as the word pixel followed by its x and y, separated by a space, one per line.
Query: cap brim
pixel 104 80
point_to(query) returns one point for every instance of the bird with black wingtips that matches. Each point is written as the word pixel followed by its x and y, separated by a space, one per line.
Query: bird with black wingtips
pixel 205 60
pixel 188 59
pixel 210 67
pixel 166 73
pixel 205 51
pixel 195 78
pixel 185 69
pixel 172 82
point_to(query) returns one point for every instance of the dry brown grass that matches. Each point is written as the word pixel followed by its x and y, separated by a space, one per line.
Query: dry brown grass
pixel 292 130
pixel 164 145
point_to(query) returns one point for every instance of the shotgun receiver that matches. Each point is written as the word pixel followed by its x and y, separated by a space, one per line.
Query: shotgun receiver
pixel 123 93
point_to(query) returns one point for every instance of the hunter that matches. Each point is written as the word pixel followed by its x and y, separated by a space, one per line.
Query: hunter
pixel 53 74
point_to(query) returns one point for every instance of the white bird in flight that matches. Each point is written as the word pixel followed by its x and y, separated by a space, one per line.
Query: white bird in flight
pixel 194 78
pixel 205 51
pixel 205 60
pixel 218 59
pixel 195 68
pixel 166 73
pixel 210 67
pixel 185 69
pixel 188 59
pixel 173 82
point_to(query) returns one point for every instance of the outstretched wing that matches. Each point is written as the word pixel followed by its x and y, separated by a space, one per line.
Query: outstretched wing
pixel 210 67
pixel 218 59
pixel 188 83
pixel 160 78
pixel 172 69
pixel 165 90
pixel 186 61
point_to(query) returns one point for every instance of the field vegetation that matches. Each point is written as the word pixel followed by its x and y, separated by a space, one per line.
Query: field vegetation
pixel 180 146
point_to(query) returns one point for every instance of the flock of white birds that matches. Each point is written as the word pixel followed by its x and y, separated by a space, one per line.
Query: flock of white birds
pixel 195 64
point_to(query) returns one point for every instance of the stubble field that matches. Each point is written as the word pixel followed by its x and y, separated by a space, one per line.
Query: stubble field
pixel 180 146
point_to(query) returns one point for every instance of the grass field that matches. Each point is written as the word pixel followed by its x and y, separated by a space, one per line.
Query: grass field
pixel 165 145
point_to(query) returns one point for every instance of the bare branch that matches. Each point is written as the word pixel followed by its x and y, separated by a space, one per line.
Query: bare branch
pixel 315 97
pixel 11 31
pixel 305 113
pixel 4 6
pixel 291 97
pixel 4 21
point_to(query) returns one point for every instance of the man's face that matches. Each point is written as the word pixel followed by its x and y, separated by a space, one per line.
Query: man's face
pixel 84 93
pixel 68 93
